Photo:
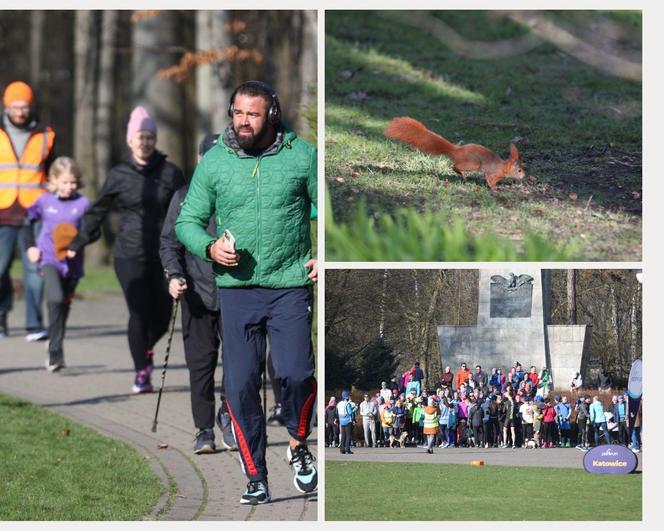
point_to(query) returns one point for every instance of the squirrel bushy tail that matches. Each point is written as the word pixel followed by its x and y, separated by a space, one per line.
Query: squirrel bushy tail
pixel 466 158
pixel 414 133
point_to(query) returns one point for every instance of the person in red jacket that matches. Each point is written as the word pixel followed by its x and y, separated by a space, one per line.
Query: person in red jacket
pixel 533 376
pixel 461 376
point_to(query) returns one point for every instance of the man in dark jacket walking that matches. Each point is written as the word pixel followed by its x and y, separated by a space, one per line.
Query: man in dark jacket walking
pixel 191 280
pixel 260 182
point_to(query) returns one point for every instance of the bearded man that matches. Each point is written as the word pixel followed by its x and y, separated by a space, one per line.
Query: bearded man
pixel 260 182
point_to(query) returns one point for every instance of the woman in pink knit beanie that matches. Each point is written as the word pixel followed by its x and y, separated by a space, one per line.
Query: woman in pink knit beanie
pixel 141 135
pixel 140 189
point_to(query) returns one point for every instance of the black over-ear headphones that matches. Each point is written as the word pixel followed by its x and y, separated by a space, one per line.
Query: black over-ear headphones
pixel 260 87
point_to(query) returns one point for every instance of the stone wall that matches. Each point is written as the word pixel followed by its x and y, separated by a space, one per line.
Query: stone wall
pixel 501 341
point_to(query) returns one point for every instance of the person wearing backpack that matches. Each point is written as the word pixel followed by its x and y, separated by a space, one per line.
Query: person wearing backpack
pixel 346 413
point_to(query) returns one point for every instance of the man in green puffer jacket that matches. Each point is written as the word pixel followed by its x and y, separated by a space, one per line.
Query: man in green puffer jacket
pixel 260 182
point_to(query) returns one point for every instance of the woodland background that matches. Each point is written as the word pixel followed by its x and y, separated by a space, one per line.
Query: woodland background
pixel 90 68
pixel 379 322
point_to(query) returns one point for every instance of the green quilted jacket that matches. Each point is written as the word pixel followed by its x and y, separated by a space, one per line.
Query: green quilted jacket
pixel 264 201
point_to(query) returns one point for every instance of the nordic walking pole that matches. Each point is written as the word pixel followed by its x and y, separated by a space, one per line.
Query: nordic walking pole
pixel 174 312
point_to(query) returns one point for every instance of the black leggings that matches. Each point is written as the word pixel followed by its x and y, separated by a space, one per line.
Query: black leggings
pixel 201 334
pixel 146 293
pixel 59 294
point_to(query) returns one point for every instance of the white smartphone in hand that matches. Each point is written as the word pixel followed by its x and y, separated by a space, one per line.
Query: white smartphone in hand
pixel 230 238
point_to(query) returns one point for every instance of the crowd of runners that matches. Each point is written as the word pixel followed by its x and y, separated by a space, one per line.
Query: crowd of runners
pixel 517 409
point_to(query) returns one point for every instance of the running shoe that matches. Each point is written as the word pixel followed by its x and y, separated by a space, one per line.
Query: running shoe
pixel 275 416
pixel 55 362
pixel 142 383
pixel 257 492
pixel 4 329
pixel 224 423
pixel 205 442
pixel 36 335
pixel 305 475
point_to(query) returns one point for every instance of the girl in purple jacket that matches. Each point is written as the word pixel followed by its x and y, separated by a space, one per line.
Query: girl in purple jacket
pixel 60 213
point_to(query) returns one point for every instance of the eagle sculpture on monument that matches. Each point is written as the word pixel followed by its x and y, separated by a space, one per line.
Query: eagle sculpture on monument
pixel 512 283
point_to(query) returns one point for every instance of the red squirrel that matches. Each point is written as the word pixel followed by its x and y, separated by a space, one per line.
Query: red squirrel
pixel 471 157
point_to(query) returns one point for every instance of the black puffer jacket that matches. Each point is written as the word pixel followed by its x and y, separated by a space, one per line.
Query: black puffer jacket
pixel 180 263
pixel 142 195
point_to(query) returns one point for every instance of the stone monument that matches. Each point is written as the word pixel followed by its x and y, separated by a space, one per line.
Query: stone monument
pixel 513 325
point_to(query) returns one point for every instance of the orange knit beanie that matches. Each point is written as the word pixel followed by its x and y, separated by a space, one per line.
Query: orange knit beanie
pixel 17 91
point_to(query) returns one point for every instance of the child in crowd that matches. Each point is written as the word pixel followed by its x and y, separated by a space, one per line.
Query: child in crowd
pixel 416 415
pixel 452 425
pixel 60 213
pixel 443 418
pixel 537 423
pixel 387 422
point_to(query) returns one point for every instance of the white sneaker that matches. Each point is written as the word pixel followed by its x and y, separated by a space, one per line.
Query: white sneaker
pixel 302 462
pixel 54 363
pixel 36 335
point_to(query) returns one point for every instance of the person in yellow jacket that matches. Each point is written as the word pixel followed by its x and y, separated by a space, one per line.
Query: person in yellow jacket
pixel 26 151
pixel 387 422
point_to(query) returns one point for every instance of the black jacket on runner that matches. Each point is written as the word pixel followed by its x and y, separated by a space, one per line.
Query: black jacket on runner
pixel 142 194
pixel 180 263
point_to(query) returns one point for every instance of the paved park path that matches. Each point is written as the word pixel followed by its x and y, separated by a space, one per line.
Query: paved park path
pixel 94 390
pixel 549 457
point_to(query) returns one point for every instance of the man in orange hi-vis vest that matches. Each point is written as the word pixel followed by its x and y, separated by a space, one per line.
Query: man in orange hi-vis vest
pixel 26 150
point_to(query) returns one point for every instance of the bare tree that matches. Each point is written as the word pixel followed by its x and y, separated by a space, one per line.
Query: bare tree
pixel 155 47
pixel 213 79
pixel 36 43
pixel 571 296
pixel 85 50
pixel 103 120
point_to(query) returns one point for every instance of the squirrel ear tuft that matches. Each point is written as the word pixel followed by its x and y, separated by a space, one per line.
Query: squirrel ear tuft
pixel 514 153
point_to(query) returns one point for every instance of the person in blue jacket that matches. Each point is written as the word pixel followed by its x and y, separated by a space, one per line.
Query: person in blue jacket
pixel 598 420
pixel 346 413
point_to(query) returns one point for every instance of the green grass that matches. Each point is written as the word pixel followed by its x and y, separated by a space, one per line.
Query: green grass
pixel 417 491
pixel 83 476
pixel 407 236
pixel 578 130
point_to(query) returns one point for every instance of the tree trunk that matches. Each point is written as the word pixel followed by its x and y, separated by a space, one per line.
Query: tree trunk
pixel 571 296
pixel 154 42
pixel 104 123
pixel 36 43
pixel 103 127
pixel 308 69
pixel 428 320
pixel 615 332
pixel 213 81
pixel 85 50
pixel 381 325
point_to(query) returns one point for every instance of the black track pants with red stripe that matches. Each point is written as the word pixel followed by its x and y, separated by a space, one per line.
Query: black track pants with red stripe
pixel 248 316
